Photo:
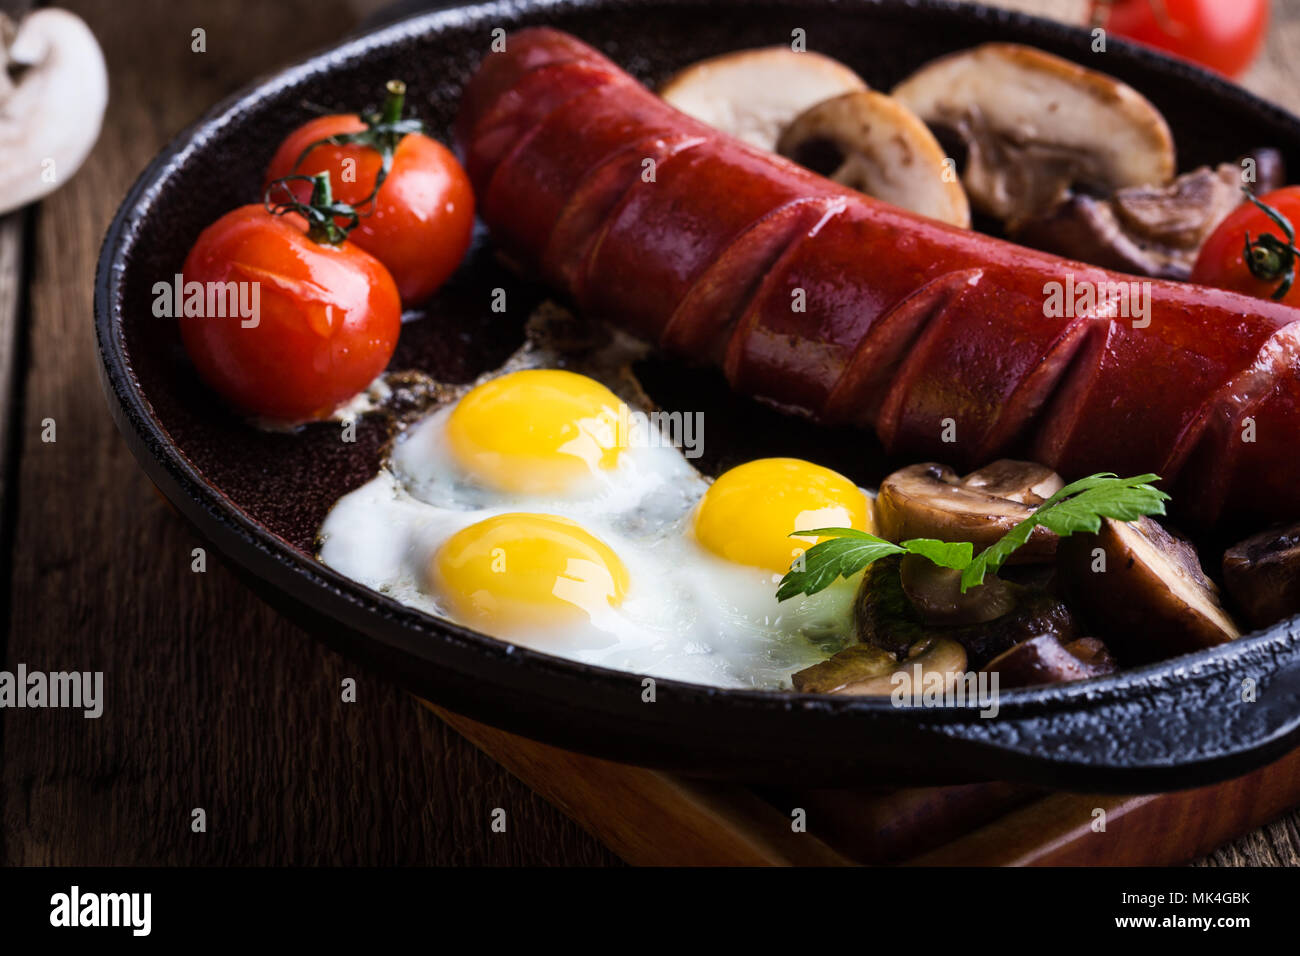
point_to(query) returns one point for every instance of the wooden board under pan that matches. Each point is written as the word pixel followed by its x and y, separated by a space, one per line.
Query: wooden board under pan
pixel 652 818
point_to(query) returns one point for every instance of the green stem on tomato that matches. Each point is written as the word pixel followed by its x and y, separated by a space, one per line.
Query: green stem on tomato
pixel 322 196
pixel 1269 258
pixel 384 131
pixel 394 103
pixel 321 211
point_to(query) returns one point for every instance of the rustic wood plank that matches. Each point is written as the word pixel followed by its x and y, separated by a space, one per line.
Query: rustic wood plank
pixel 654 818
pixel 651 818
pixel 213 701
pixel 12 235
pixel 1058 830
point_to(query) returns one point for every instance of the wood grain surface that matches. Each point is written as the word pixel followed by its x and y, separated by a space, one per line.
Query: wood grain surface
pixel 213 701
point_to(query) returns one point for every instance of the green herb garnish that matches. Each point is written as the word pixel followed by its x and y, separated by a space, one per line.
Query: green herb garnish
pixel 1079 506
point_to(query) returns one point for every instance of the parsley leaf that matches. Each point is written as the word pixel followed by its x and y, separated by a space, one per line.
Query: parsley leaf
pixel 946 554
pixel 844 555
pixel 1079 506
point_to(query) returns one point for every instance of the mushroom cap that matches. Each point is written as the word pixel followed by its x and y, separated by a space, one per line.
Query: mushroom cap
pixel 1045 660
pixel 928 500
pixel 868 671
pixel 1148 230
pixel 753 94
pixel 1036 123
pixel 50 118
pixel 936 594
pixel 1153 598
pixel 879 147
pixel 884 616
pixel 1263 574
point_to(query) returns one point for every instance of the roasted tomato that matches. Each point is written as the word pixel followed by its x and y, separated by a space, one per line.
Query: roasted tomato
pixel 1251 251
pixel 1224 35
pixel 284 325
pixel 419 223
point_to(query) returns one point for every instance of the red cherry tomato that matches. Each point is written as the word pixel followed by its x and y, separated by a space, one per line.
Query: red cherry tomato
pixel 1222 259
pixel 1224 35
pixel 326 323
pixel 423 214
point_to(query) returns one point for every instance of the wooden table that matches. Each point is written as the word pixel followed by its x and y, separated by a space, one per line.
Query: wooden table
pixel 212 700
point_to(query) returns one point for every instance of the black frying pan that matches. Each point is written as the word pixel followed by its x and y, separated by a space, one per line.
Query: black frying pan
pixel 259 497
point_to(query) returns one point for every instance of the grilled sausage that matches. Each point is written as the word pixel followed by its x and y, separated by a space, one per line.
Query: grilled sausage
pixel 828 303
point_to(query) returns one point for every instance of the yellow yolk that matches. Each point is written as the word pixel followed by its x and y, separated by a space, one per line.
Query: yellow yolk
pixel 539 431
pixel 521 572
pixel 746 516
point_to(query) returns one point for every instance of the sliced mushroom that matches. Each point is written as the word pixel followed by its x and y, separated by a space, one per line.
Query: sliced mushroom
pixel 874 144
pixel 864 671
pixel 853 665
pixel 754 94
pixel 1036 124
pixel 930 501
pixel 1145 590
pixel 49 118
pixel 1148 230
pixel 936 594
pixel 1045 660
pixel 1023 481
pixel 1262 574
pixel 885 617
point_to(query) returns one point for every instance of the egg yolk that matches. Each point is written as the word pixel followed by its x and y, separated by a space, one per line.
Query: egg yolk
pixel 521 572
pixel 747 515
pixel 539 431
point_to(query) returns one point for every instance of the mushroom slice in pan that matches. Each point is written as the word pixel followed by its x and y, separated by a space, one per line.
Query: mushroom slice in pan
pixel 1035 124
pixel 1046 660
pixel 753 94
pixel 930 501
pixel 874 144
pixel 853 665
pixel 1145 590
pixel 1262 574
pixel 936 594
pixel 885 616
pixel 1150 230
pixel 866 670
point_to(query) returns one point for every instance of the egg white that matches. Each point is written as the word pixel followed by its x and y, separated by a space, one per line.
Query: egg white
pixel 688 614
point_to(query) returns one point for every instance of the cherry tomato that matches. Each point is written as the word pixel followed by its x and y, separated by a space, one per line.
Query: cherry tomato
pixel 423 214
pixel 1224 35
pixel 1222 259
pixel 326 322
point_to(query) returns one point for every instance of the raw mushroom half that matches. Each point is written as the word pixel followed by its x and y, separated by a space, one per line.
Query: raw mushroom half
pixel 49 117
pixel 754 94
pixel 874 144
pixel 1036 124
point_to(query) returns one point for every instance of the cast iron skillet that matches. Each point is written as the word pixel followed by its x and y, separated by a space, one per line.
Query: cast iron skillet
pixel 259 497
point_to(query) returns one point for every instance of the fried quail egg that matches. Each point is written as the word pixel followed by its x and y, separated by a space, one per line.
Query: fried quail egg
pixel 540 509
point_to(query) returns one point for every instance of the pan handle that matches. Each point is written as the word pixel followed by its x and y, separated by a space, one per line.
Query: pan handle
pixel 1214 718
